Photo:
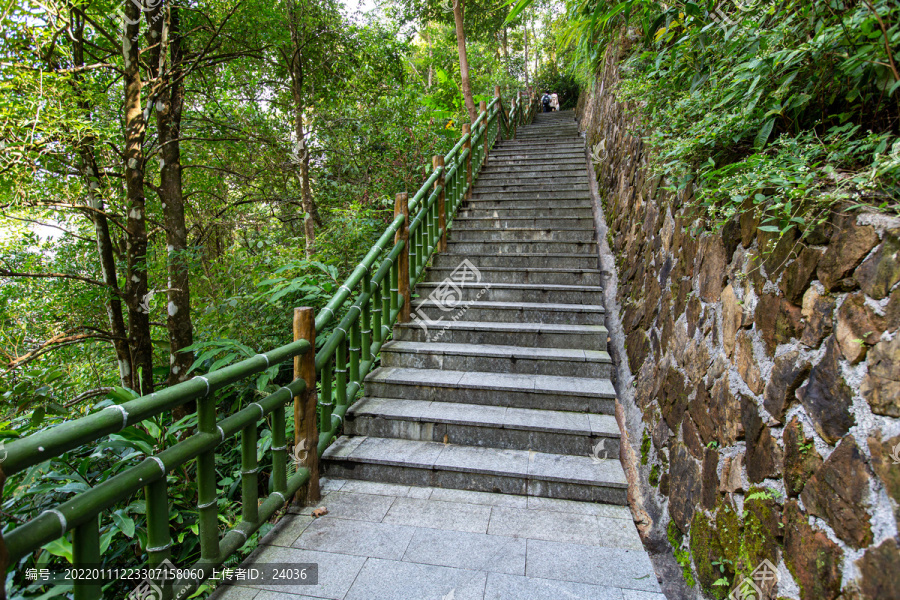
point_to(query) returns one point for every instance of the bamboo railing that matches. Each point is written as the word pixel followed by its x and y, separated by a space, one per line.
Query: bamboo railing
pixel 382 285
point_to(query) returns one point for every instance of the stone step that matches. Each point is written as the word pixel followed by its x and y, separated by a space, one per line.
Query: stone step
pixel 540 188
pixel 506 210
pixel 541 136
pixel 521 246
pixel 564 362
pixel 539 260
pixel 536 170
pixel 506 292
pixel 539 141
pixel 568 154
pixel 521 275
pixel 469 234
pixel 548 181
pixel 567 161
pixel 528 335
pixel 580 394
pixel 467 222
pixel 521 472
pixel 511 312
pixel 514 200
pixel 539 145
pixel 483 426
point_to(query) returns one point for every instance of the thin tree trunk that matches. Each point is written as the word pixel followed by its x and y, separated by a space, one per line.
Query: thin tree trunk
pixel 168 120
pixel 430 61
pixel 309 207
pixel 91 175
pixel 463 60
pixel 295 66
pixel 526 54
pixel 137 289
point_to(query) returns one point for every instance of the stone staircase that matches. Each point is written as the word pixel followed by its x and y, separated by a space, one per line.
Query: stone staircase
pixel 505 386
pixel 482 463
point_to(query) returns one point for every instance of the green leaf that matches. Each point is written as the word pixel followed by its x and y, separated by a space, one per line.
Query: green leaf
pixel 61 547
pixel 763 136
pixel 124 522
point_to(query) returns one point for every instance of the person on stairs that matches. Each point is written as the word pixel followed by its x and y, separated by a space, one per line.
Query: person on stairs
pixel 554 101
pixel 546 99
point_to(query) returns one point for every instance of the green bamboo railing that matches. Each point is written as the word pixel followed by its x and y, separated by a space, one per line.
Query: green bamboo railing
pixel 382 284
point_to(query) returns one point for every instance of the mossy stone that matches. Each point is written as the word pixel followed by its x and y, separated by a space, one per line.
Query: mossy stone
pixel 706 549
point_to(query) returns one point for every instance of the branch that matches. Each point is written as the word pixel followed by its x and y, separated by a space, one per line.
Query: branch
pixel 8 273
pixel 67 338
pixel 887 45
pixel 88 394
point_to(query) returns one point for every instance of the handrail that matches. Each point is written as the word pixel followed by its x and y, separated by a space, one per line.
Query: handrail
pixel 381 284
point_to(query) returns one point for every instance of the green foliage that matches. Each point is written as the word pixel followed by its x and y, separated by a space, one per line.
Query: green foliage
pixel 645 447
pixel 787 109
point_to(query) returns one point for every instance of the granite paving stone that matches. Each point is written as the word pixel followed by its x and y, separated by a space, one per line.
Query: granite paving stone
pixel 392 580
pixel 360 538
pixel 452 516
pixel 561 527
pixel 362 507
pixel 585 508
pixel 509 587
pixel 464 550
pixel 336 571
pixel 616 567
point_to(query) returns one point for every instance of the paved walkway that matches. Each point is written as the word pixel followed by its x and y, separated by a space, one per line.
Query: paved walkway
pixel 393 542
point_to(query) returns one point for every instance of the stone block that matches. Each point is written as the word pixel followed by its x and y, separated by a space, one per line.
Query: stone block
pixel 839 493
pixel 826 396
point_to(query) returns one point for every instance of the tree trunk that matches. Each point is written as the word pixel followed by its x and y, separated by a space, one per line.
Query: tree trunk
pixel 137 290
pixel 295 67
pixel 91 175
pixel 526 54
pixel 463 60
pixel 168 120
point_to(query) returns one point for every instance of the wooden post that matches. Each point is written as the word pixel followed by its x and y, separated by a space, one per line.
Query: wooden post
pixel 401 206
pixel 438 161
pixel 306 430
pixel 467 128
pixel 501 115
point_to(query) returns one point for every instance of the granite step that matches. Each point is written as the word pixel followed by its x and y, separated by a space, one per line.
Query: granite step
pixel 520 161
pixel 510 180
pixel 539 188
pixel 528 234
pixel 558 202
pixel 491 222
pixel 505 210
pixel 486 291
pixel 521 246
pixel 561 362
pixel 536 170
pixel 541 276
pixel 593 395
pixel 519 472
pixel 523 335
pixel 539 260
pixel 484 426
pixel 510 312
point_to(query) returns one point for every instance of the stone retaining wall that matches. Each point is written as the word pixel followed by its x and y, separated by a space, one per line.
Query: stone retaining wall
pixel 754 364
